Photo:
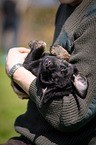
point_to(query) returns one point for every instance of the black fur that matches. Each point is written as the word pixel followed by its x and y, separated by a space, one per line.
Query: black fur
pixel 55 75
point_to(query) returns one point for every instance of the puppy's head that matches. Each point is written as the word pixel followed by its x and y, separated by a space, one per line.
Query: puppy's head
pixel 55 71
pixel 60 78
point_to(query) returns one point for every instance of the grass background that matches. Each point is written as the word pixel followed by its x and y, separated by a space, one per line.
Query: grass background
pixel 37 24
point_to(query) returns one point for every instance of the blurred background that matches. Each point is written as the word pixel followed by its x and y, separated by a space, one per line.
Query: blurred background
pixel 20 22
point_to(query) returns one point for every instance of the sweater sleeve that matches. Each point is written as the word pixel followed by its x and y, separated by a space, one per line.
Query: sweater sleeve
pixel 69 113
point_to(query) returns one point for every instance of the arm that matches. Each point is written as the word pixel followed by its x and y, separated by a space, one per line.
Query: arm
pixel 21 76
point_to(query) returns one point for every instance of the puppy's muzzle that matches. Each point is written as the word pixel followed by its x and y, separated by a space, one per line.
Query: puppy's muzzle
pixel 48 63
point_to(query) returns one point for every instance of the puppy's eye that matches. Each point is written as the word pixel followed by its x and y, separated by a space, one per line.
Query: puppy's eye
pixel 63 71
pixel 56 79
pixel 49 63
pixel 62 68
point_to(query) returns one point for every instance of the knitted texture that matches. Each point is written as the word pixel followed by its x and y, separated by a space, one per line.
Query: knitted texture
pixel 54 122
pixel 80 36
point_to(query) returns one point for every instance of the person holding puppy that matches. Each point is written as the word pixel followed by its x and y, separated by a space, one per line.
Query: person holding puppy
pixel 69 120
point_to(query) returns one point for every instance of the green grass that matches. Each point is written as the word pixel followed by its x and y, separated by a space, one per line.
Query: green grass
pixel 10 107
pixel 40 26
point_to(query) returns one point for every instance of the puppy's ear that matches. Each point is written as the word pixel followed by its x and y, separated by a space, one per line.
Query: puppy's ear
pixel 81 84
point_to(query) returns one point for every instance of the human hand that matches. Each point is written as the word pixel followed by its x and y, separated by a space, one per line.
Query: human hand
pixel 20 94
pixel 16 55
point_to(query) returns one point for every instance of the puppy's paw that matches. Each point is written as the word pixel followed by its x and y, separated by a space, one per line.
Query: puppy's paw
pixel 60 52
pixel 35 44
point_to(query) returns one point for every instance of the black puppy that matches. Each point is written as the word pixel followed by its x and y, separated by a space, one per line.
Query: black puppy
pixel 56 76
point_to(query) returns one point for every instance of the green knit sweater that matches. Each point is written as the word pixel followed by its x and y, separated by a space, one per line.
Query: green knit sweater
pixel 68 120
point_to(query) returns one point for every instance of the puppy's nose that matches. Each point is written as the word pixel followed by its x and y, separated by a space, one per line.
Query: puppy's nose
pixel 48 63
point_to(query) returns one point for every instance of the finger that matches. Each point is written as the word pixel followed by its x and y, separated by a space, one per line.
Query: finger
pixel 15 89
pixel 19 93
pixel 23 96
pixel 11 83
pixel 23 50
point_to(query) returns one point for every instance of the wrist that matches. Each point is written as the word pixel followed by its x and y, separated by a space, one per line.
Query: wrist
pixel 23 78
pixel 13 69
